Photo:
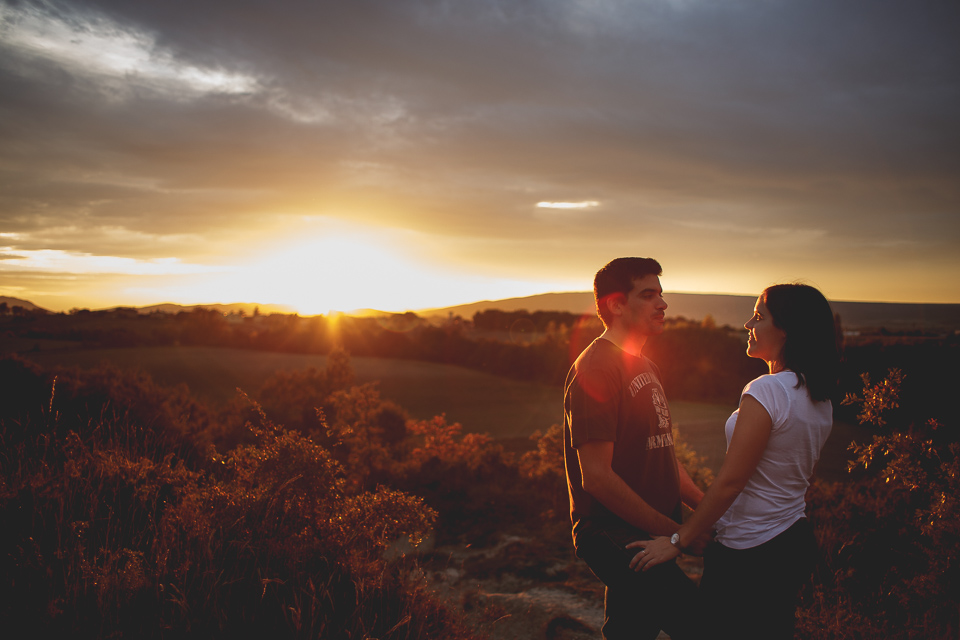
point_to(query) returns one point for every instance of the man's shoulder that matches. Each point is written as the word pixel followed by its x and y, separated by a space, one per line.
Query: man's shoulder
pixel 600 352
pixel 653 365
pixel 597 367
pixel 598 358
pixel 604 357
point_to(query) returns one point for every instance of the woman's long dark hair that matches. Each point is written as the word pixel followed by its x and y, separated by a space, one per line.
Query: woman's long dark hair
pixel 811 349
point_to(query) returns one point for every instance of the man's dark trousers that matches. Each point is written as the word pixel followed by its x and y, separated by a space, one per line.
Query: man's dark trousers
pixel 638 605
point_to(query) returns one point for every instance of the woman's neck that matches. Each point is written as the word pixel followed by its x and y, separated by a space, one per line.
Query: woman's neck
pixel 775 366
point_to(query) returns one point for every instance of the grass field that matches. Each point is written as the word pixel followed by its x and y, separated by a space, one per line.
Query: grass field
pixel 481 402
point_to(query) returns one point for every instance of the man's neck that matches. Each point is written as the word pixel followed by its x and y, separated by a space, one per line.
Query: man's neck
pixel 632 343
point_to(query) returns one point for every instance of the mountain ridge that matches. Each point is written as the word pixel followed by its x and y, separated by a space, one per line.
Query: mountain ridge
pixel 734 310
pixel 18 302
pixel 725 309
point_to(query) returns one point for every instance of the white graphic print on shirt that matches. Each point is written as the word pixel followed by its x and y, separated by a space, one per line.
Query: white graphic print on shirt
pixel 660 406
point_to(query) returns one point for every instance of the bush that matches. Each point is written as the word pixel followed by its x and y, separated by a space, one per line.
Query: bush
pixel 891 535
pixel 112 528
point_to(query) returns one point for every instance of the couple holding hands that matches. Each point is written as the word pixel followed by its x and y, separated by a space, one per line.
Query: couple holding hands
pixel 626 486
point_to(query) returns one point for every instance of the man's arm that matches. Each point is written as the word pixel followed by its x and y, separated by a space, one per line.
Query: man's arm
pixel 747 445
pixel 690 493
pixel 600 481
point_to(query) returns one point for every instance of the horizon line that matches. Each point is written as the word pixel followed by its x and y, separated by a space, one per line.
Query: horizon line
pixel 367 310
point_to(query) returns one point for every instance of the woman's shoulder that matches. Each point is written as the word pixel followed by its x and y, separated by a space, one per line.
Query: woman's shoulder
pixel 785 379
pixel 779 380
pixel 773 390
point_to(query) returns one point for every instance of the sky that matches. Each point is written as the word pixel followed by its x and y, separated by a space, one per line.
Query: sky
pixel 405 154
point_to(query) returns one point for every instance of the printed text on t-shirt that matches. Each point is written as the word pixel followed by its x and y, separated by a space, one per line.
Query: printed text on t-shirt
pixel 660 441
pixel 640 382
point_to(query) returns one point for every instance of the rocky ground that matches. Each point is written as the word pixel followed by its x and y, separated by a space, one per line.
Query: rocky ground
pixel 523 587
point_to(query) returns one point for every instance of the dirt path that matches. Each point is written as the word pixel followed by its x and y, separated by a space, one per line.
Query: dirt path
pixel 520 588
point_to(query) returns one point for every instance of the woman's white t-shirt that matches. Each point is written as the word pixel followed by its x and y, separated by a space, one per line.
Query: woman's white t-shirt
pixel 774 496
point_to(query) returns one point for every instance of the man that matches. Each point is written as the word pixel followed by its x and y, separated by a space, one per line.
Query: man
pixel 623 477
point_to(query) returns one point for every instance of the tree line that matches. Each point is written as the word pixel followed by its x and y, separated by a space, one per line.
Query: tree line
pixel 699 360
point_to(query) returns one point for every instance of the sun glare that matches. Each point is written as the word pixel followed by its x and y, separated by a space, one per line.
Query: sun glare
pixel 338 273
pixel 346 271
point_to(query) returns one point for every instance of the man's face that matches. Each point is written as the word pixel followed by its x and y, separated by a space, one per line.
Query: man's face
pixel 643 310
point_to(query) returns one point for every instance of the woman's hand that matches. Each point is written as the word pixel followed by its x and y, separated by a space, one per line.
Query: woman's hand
pixel 652 553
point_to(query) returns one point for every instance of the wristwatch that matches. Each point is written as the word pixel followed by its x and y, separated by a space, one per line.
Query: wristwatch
pixel 675 540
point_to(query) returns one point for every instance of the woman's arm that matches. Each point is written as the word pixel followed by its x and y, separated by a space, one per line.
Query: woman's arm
pixel 749 441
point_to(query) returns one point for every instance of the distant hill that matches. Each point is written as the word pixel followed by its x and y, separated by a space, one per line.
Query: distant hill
pixel 17 302
pixel 169 307
pixel 725 309
pixel 246 307
pixel 734 310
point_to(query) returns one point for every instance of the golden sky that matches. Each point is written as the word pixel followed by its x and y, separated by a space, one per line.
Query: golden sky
pixel 408 154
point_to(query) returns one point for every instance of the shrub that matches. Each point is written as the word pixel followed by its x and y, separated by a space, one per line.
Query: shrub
pixel 111 528
pixel 891 535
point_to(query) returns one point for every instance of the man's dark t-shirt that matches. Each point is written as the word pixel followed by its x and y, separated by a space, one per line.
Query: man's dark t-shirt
pixel 615 396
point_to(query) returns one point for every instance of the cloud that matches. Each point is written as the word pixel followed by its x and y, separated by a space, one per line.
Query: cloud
pixel 99 49
pixel 586 204
pixel 149 130
pixel 46 261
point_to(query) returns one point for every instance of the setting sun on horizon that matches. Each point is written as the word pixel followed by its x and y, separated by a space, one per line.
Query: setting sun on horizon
pixel 344 270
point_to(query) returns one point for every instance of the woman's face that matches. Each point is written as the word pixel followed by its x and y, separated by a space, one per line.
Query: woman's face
pixel 765 339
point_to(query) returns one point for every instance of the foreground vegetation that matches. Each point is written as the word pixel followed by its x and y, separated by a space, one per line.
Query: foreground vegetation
pixel 134 510
pixel 890 536
pixel 119 520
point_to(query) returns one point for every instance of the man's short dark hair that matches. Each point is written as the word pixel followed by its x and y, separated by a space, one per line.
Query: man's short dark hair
pixel 616 278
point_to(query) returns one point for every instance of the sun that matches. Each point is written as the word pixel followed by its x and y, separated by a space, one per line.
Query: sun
pixel 340 267
pixel 341 272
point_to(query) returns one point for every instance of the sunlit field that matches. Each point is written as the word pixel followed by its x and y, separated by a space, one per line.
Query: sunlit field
pixel 482 403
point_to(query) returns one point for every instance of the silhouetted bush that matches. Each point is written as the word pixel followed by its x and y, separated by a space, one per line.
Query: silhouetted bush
pixel 891 534
pixel 113 528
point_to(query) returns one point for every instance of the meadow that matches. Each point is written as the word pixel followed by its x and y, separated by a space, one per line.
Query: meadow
pixel 506 409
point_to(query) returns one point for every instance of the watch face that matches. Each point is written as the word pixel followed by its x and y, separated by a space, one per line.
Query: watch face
pixel 675 539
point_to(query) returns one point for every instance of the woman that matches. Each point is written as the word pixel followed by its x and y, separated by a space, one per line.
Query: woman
pixel 764 548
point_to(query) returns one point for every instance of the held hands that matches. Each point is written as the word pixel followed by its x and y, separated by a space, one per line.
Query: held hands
pixel 696 547
pixel 652 553
pixel 660 550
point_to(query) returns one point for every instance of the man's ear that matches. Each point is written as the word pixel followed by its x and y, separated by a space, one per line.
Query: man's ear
pixel 614 303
